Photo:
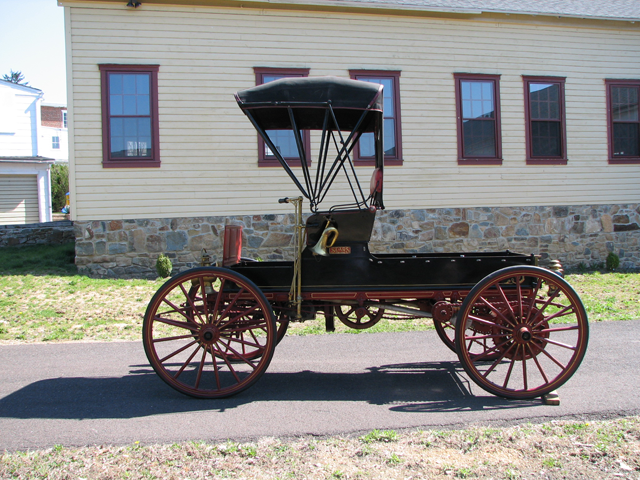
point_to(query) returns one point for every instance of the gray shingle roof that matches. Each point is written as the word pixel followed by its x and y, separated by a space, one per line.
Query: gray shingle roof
pixel 595 9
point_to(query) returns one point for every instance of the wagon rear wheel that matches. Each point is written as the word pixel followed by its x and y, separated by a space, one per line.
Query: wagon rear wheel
pixel 359 317
pixel 209 332
pixel 521 332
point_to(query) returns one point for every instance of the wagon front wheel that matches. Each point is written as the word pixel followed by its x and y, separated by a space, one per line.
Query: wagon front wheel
pixel 209 332
pixel 521 332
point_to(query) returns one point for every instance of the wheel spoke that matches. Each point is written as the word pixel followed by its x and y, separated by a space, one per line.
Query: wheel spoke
pixel 498 360
pixel 174 323
pixel 201 368
pixel 545 305
pixel 568 310
pixel 535 359
pixel 205 303
pixel 182 349
pixel 215 368
pixel 187 362
pixel 552 358
pixel 176 309
pixel 191 304
pixel 489 323
pixel 505 300
pixel 238 355
pixel 244 343
pixel 558 329
pixel 232 302
pixel 556 343
pixel 524 368
pixel 508 375
pixel 496 311
pixel 168 339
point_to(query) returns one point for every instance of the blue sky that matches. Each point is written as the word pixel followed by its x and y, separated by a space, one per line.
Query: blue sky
pixel 32 42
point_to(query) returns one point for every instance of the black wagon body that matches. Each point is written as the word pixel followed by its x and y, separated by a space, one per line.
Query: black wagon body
pixel 520 331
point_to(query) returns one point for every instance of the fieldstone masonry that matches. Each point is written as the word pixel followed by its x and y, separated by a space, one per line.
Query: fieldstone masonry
pixel 50 233
pixel 573 234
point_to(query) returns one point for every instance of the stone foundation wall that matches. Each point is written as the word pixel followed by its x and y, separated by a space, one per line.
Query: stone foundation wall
pixel 575 235
pixel 50 233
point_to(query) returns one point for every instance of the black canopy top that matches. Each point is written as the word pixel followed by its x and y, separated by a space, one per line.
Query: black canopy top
pixel 309 97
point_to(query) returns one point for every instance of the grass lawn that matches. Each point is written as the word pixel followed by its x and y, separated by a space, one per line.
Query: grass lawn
pixel 43 299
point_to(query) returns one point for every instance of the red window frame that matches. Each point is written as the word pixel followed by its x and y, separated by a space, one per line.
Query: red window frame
pixel 613 158
pixel 137 161
pixel 389 160
pixel 545 159
pixel 271 160
pixel 463 157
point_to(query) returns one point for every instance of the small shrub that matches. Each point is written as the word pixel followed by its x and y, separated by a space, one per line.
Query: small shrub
pixel 612 262
pixel 163 266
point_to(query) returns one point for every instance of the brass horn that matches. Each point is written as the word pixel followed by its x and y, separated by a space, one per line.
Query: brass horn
pixel 320 248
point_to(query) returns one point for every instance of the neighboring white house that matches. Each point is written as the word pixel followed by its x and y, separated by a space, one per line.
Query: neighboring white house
pixel 513 124
pixel 25 183
pixel 54 134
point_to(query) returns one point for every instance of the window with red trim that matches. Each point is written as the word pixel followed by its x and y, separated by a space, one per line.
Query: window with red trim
pixel 478 112
pixel 284 140
pixel 364 151
pixel 545 120
pixel 130 135
pixel 623 120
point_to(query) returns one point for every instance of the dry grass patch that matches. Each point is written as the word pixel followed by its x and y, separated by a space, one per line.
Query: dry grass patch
pixel 555 450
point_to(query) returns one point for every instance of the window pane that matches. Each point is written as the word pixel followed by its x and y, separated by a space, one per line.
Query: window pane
pixel 389 141
pixel 625 139
pixel 544 100
pixel 545 139
pixel 129 105
pixel 624 103
pixel 142 105
pixel 479 138
pixel 129 84
pixel 477 99
pixel 115 105
pixel 285 142
pixel 115 83
pixel 142 84
pixel 367 145
pixel 117 137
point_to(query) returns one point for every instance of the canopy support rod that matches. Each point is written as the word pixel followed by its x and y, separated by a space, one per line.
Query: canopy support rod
pixel 347 147
pixel 322 153
pixel 277 153
pixel 303 156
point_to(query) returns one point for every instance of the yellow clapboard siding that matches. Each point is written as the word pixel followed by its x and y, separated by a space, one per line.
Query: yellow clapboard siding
pixel 209 149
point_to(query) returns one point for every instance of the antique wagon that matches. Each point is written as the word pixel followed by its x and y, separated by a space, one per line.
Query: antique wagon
pixel 520 331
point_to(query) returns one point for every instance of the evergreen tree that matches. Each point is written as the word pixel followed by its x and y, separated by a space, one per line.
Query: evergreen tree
pixel 15 77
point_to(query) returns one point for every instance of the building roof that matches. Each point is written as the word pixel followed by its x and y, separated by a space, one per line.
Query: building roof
pixel 11 84
pixel 26 159
pixel 622 10
pixel 628 10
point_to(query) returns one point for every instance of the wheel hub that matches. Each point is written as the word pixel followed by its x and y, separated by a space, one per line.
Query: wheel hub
pixel 209 334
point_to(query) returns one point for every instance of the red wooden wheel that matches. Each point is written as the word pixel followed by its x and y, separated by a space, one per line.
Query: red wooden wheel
pixel 209 332
pixel 521 332
pixel 359 317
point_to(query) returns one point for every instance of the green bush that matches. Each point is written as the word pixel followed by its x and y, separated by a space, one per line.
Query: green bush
pixel 612 262
pixel 163 266
pixel 59 186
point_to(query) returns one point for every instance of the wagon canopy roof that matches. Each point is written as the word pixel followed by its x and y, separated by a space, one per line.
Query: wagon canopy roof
pixel 309 98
